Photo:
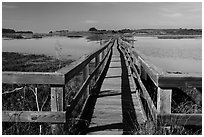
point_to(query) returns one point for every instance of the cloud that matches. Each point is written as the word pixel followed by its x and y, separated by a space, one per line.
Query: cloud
pixel 90 21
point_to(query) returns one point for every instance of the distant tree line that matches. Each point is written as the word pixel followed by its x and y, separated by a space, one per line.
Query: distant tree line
pixel 8 31
pixel 179 31
pixel 13 31
pixel 24 32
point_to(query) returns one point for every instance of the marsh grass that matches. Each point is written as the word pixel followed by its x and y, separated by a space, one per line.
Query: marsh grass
pixel 12 61
pixel 21 97
pixel 159 128
pixel 184 101
pixel 25 100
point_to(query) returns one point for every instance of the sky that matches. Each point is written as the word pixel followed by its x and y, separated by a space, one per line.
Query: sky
pixel 50 16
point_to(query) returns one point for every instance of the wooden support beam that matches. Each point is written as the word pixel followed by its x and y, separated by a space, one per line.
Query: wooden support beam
pixel 164 101
pixel 57 104
pixel 33 116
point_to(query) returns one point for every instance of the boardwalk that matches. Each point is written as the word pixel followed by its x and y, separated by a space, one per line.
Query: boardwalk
pixel 118 102
pixel 114 111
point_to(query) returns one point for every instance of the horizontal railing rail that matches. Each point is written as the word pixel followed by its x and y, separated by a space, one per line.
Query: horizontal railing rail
pixel 33 116
pixel 59 77
pixel 85 84
pixel 162 78
pixel 139 84
pixel 32 78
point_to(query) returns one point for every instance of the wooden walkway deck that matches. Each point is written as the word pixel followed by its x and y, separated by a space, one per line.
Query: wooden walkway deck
pixel 114 110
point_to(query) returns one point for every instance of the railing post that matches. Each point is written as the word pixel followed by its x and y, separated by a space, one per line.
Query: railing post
pixel 164 101
pixel 85 76
pixel 143 73
pixel 97 61
pixel 103 54
pixel 57 104
pixel 163 106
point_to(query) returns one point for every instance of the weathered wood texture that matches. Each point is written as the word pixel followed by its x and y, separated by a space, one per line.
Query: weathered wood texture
pixel 32 78
pixel 57 100
pixel 164 101
pixel 33 116
pixel 97 61
pixel 85 76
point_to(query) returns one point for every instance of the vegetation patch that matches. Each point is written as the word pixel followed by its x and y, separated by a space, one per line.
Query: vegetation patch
pixel 31 63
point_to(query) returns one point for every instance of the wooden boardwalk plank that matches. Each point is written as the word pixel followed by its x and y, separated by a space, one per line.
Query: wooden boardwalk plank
pixel 115 64
pixel 114 72
pixel 109 109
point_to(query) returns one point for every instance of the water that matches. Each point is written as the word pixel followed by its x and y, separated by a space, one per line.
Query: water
pixel 58 47
pixel 172 55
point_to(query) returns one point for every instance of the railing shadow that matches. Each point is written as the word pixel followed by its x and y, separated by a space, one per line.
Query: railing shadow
pixel 128 111
pixel 89 109
pixel 105 127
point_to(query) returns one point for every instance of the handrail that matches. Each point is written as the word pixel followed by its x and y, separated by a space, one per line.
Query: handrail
pixel 71 70
pixel 164 84
pixel 59 77
pixel 81 90
pixel 32 78
pixel 57 81
pixel 33 116
pixel 163 79
pixel 146 95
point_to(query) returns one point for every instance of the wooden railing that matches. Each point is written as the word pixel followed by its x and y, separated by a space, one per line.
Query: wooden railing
pixel 61 111
pixel 163 84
